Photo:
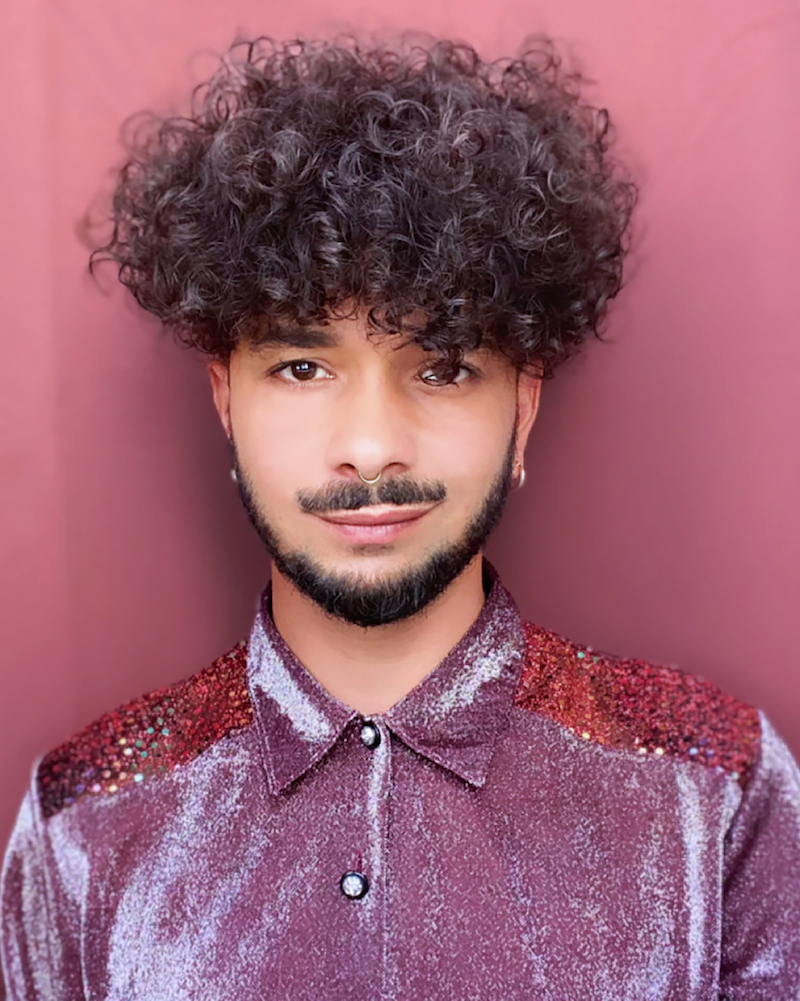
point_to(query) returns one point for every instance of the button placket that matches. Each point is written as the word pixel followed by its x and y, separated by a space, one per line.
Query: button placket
pixel 355 884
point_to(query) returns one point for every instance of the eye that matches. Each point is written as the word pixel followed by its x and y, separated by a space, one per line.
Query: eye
pixel 444 373
pixel 301 370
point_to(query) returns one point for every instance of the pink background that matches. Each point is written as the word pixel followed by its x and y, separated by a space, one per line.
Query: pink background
pixel 661 512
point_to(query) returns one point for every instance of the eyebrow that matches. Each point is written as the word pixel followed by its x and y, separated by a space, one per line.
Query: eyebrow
pixel 299 337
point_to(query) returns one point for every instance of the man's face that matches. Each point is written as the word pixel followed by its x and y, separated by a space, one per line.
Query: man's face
pixel 308 413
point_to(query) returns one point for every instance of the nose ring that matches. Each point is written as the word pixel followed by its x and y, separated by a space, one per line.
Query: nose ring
pixel 365 480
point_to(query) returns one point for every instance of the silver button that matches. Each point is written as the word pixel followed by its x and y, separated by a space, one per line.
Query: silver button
pixel 370 735
pixel 354 885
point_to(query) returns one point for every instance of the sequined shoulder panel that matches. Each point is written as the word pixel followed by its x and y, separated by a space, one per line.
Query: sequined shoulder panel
pixel 631 704
pixel 150 735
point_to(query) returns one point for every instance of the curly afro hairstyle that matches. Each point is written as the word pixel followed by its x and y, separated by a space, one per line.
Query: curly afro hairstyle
pixel 413 181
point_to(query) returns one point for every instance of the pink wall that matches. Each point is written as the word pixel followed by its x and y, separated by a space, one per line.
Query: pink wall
pixel 660 516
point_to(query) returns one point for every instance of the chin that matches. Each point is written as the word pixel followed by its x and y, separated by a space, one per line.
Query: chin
pixel 368 565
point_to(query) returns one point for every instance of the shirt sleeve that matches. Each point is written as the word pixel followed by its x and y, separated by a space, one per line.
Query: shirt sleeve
pixel 761 893
pixel 39 944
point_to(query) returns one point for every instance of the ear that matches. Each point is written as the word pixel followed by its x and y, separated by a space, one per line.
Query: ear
pixel 529 390
pixel 220 375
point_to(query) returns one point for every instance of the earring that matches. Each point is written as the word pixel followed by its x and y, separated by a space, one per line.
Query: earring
pixel 234 476
pixel 521 481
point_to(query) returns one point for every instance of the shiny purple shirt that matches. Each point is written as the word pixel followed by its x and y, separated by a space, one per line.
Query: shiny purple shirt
pixel 495 850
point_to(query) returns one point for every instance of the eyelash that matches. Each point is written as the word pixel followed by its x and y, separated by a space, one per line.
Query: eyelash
pixel 471 372
pixel 287 365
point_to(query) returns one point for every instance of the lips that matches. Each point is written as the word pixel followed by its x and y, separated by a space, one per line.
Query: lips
pixel 378 524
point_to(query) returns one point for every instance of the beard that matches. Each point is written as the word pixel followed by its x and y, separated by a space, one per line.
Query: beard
pixel 393 598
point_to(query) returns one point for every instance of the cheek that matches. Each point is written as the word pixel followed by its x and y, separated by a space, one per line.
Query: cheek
pixel 274 448
pixel 468 452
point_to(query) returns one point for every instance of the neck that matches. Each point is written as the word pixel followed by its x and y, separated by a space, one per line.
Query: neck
pixel 372 669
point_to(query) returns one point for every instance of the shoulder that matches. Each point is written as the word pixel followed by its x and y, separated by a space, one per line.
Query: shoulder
pixel 632 704
pixel 148 736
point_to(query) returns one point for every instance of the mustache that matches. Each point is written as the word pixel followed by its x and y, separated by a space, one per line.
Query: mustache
pixel 342 495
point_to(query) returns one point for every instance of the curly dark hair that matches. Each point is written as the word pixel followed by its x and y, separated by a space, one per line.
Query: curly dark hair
pixel 311 174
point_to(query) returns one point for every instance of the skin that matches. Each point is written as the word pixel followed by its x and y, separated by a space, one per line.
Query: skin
pixel 335 402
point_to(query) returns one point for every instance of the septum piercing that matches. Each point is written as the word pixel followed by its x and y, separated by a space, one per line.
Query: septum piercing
pixel 365 480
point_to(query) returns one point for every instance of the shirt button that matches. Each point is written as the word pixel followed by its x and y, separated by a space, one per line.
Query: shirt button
pixel 370 735
pixel 354 885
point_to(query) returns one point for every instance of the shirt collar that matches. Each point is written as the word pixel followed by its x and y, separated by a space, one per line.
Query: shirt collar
pixel 454 716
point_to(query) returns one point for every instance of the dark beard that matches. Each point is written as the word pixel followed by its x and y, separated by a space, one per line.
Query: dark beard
pixel 390 600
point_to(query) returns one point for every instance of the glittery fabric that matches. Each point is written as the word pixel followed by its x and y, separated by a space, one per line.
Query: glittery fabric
pixel 531 823
pixel 630 703
pixel 151 735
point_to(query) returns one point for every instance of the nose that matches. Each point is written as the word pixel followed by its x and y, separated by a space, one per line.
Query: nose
pixel 372 431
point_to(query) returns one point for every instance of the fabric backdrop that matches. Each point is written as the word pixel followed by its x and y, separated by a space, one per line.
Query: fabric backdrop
pixel 660 516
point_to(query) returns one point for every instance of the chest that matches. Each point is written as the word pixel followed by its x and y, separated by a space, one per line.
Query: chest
pixel 540 884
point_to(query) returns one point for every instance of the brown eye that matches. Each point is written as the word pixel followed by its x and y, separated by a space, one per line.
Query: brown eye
pixel 444 374
pixel 303 371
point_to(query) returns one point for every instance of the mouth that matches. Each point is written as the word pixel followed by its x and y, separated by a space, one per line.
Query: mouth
pixel 378 524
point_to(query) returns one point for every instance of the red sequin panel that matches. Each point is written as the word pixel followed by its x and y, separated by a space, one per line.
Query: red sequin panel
pixel 151 735
pixel 632 704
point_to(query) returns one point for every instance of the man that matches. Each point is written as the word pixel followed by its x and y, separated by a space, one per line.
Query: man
pixel 395 788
